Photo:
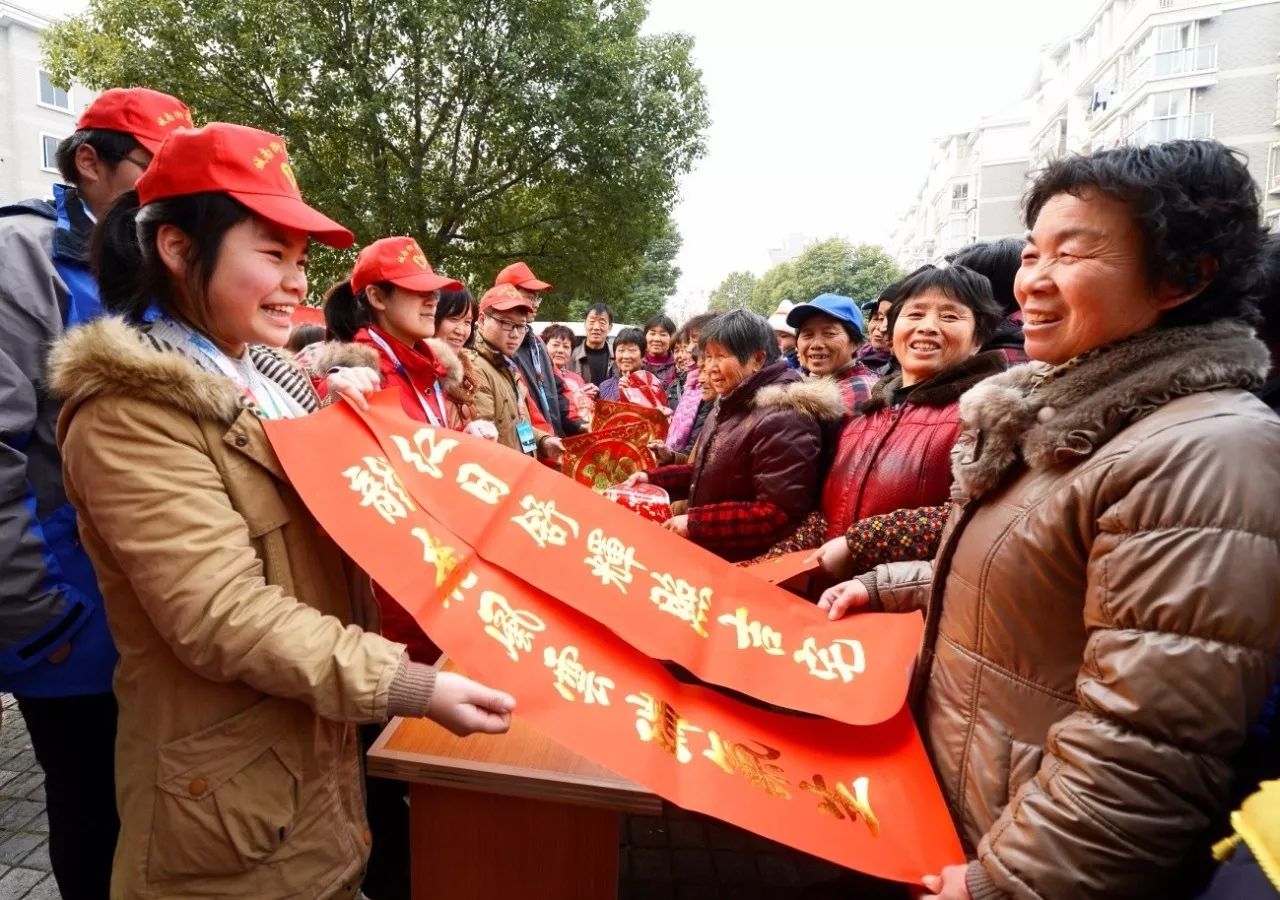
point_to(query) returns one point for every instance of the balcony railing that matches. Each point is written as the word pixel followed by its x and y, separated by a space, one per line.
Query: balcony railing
pixel 1171 128
pixel 1169 63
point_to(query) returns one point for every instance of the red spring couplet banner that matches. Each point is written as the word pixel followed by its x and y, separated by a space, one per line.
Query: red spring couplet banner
pixel 863 797
pixel 663 594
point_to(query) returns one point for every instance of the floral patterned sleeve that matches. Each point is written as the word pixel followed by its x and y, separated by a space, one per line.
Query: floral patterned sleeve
pixel 903 535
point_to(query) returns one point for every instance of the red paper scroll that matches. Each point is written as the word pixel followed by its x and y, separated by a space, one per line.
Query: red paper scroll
pixel 864 797
pixel 668 597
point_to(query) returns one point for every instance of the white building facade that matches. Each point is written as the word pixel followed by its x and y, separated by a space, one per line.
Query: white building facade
pixel 34 113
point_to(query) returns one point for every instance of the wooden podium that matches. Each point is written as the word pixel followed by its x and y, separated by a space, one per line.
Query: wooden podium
pixel 507 816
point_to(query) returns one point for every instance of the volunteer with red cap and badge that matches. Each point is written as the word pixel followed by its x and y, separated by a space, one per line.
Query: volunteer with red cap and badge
pixel 505 319
pixel 56 654
pixel 531 358
pixel 388 305
pixel 244 659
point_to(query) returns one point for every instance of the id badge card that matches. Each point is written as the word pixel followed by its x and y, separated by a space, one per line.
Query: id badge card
pixel 528 443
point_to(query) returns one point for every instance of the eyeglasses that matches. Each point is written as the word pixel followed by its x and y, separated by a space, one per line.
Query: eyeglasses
pixel 510 327
pixel 137 162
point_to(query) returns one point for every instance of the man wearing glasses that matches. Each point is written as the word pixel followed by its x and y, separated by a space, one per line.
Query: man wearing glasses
pixel 531 358
pixel 56 653
pixel 505 318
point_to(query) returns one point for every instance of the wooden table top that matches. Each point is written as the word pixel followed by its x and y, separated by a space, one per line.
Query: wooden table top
pixel 524 762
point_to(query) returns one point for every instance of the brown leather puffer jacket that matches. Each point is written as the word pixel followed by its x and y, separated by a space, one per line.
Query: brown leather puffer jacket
pixel 1103 617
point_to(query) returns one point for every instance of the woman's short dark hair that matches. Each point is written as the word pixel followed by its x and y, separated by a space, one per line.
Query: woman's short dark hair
pixel 960 284
pixel 629 336
pixel 1192 202
pixel 346 312
pixel 304 336
pixel 601 309
pixel 457 304
pixel 999 261
pixel 130 274
pixel 660 321
pixel 111 146
pixel 551 332
pixel 744 334
pixel 696 323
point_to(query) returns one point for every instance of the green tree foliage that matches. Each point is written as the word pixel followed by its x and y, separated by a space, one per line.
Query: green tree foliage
pixel 492 130
pixel 832 266
pixel 733 293
pixel 653 283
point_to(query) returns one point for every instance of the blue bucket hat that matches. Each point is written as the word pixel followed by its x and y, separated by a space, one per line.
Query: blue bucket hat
pixel 833 305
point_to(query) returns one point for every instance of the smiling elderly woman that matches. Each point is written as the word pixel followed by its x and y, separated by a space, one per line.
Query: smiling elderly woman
pixel 1102 621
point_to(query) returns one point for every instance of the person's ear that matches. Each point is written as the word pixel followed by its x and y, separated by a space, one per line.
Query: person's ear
pixel 1170 296
pixel 90 167
pixel 376 299
pixel 173 245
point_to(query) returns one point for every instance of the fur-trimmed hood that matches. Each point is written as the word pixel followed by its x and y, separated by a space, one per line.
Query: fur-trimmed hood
pixel 1047 417
pixel 943 389
pixel 816 398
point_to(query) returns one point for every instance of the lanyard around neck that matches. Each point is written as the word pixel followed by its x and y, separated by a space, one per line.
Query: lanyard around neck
pixel 404 373
pixel 262 398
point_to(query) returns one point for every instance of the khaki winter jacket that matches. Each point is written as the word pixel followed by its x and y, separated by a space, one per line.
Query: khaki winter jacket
pixel 1104 613
pixel 244 658
pixel 500 394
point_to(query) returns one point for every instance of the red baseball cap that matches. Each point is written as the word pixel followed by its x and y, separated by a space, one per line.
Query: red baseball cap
pixel 400 261
pixel 520 275
pixel 149 116
pixel 246 164
pixel 503 297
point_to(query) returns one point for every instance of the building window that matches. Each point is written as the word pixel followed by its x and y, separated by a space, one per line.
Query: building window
pixel 960 197
pixel 1273 170
pixel 49 152
pixel 1278 100
pixel 52 95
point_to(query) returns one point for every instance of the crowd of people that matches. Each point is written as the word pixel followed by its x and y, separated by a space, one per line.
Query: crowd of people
pixel 1063 450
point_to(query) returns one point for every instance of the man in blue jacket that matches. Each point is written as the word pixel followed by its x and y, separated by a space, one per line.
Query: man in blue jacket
pixel 56 654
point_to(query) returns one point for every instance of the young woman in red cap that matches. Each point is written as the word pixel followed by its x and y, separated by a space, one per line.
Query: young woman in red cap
pixel 388 305
pixel 244 661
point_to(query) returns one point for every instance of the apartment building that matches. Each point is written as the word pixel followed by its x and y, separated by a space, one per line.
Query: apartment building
pixel 1141 71
pixel 972 191
pixel 35 114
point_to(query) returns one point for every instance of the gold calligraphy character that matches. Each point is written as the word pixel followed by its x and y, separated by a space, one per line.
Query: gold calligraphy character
pixel 573 679
pixel 445 559
pixel 426 459
pixel 544 523
pixel 512 628
pixel 681 599
pixel 843 803
pixel 658 722
pixel 751 633
pixel 757 766
pixel 611 560
pixel 482 485
pixel 829 663
pixel 380 487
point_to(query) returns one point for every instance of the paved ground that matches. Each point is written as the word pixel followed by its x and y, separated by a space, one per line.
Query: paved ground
pixel 24 831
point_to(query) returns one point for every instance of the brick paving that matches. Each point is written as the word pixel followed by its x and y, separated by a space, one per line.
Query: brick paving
pixel 24 830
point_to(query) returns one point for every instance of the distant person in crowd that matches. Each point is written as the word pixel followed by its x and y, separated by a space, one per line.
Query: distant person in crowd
pixel 828 332
pixel 531 358
pixel 1269 326
pixel 58 656
pixel 593 358
pixel 456 318
pixel 753 475
pixel 577 403
pixel 633 383
pixel 304 336
pixel 680 350
pixel 658 358
pixel 999 262
pixel 877 353
pixel 695 401
pixel 884 497
pixel 1101 618
pixel 388 306
pixel 505 318
pixel 785 334
pixel 244 659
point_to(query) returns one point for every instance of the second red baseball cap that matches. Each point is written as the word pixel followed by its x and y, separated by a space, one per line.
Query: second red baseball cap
pixel 249 165
pixel 400 261
pixel 520 275
pixel 503 297
pixel 148 115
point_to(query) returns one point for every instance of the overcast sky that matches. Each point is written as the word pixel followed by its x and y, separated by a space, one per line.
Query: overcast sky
pixel 822 111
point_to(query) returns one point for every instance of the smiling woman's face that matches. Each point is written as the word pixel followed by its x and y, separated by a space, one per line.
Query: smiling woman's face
pixel 932 332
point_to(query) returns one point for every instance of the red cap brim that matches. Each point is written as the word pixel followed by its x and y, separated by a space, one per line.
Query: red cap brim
pixel 534 284
pixel 427 281
pixel 151 144
pixel 293 213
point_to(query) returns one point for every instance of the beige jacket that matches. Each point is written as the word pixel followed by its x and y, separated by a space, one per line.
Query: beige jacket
pixel 244 659
pixel 499 394
pixel 1104 613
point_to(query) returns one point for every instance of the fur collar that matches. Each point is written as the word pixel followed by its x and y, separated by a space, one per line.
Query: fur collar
pixel 1046 417
pixel 816 398
pixel 943 389
pixel 110 358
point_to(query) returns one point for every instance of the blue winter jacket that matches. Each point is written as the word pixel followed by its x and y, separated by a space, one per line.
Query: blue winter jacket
pixel 54 640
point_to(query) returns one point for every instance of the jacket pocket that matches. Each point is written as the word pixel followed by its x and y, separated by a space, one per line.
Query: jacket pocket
pixel 1024 762
pixel 226 797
